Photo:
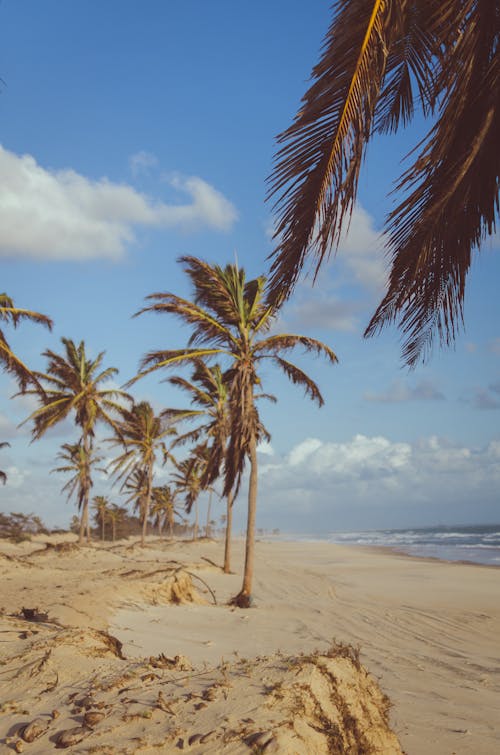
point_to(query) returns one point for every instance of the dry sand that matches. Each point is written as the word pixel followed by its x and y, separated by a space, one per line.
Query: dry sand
pixel 428 632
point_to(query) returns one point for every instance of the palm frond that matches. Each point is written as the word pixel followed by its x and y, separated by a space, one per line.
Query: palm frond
pixel 299 377
pixel 452 205
pixel 316 173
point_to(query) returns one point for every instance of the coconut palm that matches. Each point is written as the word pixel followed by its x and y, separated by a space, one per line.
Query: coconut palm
pixel 11 363
pixel 230 318
pixel 3 476
pixel 163 507
pixel 188 479
pixel 381 58
pixel 101 508
pixel 78 461
pixel 75 385
pixel 142 434
pixel 208 389
pixel 116 514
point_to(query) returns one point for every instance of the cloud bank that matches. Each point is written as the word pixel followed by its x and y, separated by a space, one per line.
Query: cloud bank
pixel 62 215
pixel 370 482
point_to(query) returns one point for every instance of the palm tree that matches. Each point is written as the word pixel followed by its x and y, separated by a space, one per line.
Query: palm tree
pixel 142 434
pixel 163 507
pixel 188 479
pixel 209 389
pixel 101 507
pixel 78 461
pixel 73 384
pixel 11 363
pixel 3 476
pixel 380 57
pixel 230 317
pixel 115 514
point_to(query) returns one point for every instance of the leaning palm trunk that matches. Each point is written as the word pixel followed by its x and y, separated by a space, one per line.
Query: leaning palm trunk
pixel 229 524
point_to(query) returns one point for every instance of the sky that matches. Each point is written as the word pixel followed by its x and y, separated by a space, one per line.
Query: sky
pixel 134 133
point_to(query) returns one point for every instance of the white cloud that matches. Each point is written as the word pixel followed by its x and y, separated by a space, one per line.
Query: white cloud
pixel 398 392
pixel 361 250
pixel 61 215
pixel 374 481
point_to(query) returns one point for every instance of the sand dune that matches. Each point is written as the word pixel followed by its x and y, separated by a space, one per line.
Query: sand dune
pixel 203 677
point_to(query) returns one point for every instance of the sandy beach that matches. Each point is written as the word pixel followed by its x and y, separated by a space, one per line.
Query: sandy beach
pixel 187 672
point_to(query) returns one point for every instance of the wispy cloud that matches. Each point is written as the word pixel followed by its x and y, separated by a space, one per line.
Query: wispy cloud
pixel 142 162
pixel 62 215
pixel 399 392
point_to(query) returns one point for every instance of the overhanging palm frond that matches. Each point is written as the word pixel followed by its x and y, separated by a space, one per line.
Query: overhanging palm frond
pixel 317 168
pixel 378 54
pixel 452 205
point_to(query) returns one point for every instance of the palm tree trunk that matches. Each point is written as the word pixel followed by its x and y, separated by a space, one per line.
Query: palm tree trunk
pixel 207 531
pixel 113 524
pixel 102 526
pixel 195 528
pixel 229 524
pixel 244 597
pixel 146 505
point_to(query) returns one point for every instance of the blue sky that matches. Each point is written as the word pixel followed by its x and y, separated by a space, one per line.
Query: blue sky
pixel 132 134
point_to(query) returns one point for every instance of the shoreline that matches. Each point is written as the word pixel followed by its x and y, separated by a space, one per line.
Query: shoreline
pixel 427 629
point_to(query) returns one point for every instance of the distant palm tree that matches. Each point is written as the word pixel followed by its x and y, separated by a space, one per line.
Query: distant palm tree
pixel 73 384
pixel 188 480
pixel 230 318
pixel 116 514
pixel 3 476
pixel 78 462
pixel 380 59
pixel 163 507
pixel 11 363
pixel 101 507
pixel 142 434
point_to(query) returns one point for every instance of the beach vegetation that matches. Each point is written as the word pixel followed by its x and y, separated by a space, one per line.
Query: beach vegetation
pixel 142 434
pixel 381 63
pixel 75 385
pixel 230 318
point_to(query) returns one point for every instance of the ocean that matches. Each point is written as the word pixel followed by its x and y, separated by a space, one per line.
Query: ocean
pixel 479 544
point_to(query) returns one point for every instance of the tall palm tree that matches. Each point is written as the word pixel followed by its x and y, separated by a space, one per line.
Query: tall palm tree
pixel 381 58
pixel 142 434
pixel 78 462
pixel 11 363
pixel 101 508
pixel 3 476
pixel 230 318
pixel 75 385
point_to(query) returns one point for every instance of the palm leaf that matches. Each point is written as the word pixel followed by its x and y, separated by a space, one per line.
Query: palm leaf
pixel 316 173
